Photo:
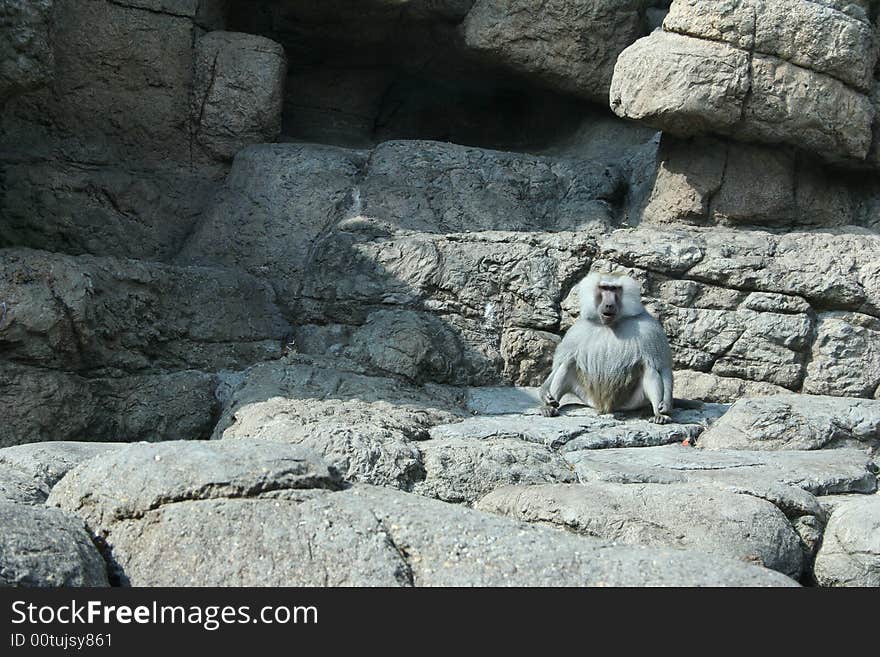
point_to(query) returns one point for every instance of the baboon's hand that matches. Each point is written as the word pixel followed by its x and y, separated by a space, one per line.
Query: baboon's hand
pixel 549 411
pixel 664 408
pixel 661 419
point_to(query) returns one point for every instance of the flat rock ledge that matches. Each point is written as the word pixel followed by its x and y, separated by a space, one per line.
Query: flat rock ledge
pixel 236 514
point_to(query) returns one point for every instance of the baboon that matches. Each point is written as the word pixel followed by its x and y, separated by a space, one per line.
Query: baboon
pixel 616 357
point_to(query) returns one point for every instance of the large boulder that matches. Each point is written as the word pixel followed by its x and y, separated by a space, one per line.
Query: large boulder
pixel 25 51
pixel 238 90
pixel 850 552
pixel 107 314
pixel 43 547
pixel 239 515
pixel 670 515
pixel 796 422
pixel 793 72
pixel 364 426
pixel 571 46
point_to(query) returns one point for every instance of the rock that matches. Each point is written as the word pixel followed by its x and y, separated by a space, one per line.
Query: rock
pixel 491 400
pixel 707 180
pixel 484 287
pixel 368 536
pixel 850 552
pixel 86 313
pixel 719 389
pixel 803 33
pixel 691 86
pixel 709 520
pixel 463 470
pixel 846 357
pixel 101 160
pixel 435 187
pixel 570 46
pixel 363 426
pixel 796 422
pixel 237 92
pixel 41 547
pixel 43 405
pixel 774 476
pixel 128 482
pixel 830 119
pixel 16 486
pixel 683 85
pixel 28 60
pixel 46 463
pixel 130 209
pixel 275 203
pixel 766 335
pixel 580 428
pixel 416 346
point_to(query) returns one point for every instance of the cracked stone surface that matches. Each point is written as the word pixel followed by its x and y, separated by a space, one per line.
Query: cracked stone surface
pixel 850 552
pixel 46 463
pixel 796 422
pixel 43 547
pixel 203 494
pixel 672 515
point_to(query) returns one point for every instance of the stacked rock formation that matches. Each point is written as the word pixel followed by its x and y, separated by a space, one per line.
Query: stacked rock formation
pixel 341 241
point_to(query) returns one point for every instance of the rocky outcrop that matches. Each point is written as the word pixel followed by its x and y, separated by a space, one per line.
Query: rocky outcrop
pixel 361 536
pixel 850 552
pixel 569 45
pixel 796 422
pixel 25 50
pixel 237 91
pixel 673 515
pixel 795 72
pixel 104 158
pixel 345 312
pixel 43 547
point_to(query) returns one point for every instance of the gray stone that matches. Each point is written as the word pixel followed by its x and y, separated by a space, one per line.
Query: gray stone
pixel 796 422
pixel 87 313
pixel 793 105
pixel 845 356
pixel 783 478
pixel 368 536
pixel 43 405
pixel 720 389
pixel 362 425
pixel 670 515
pixel 569 45
pixel 237 92
pixel 447 188
pixel 490 400
pixel 803 33
pixel 683 85
pixel 41 547
pixel 47 462
pixel 580 428
pixel 463 470
pixel 16 486
pixel 128 482
pixel 850 552
pixel 484 287
pixel 691 86
pixel 416 346
pixel 275 203
pixel 25 51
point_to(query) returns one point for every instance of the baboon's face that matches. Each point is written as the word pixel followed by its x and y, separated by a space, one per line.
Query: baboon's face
pixel 608 298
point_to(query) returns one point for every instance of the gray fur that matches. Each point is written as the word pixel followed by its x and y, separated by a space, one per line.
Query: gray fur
pixel 622 366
